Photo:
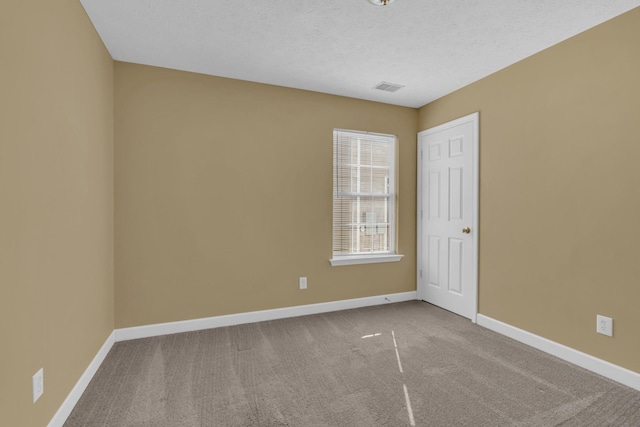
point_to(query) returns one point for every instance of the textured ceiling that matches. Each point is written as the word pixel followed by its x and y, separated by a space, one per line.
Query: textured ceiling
pixel 344 47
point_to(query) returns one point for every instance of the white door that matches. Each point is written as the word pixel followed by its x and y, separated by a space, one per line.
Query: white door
pixel 448 216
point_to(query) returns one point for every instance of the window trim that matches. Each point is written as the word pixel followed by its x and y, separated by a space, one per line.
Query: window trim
pixel 364 259
pixel 374 257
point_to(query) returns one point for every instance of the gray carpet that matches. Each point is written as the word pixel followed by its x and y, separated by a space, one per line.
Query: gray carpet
pixel 394 365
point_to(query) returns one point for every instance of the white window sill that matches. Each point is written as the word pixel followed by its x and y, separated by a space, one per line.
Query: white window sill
pixel 364 259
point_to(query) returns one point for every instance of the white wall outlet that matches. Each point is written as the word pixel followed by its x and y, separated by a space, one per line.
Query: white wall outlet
pixel 37 381
pixel 302 282
pixel 604 325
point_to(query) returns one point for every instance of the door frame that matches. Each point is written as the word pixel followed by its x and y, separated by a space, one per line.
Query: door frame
pixel 474 118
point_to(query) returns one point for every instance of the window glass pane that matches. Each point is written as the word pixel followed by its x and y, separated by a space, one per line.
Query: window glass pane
pixel 364 180
pixel 380 154
pixel 365 152
pixel 380 181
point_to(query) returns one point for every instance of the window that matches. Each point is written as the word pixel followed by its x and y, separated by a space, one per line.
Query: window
pixel 363 197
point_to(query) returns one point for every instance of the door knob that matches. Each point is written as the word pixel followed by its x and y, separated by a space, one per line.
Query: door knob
pixel 466 230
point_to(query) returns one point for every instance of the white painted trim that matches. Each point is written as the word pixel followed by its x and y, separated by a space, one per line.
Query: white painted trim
pixel 474 118
pixel 586 361
pixel 476 210
pixel 136 332
pixel 364 259
pixel 420 286
pixel 69 403
pixel 390 197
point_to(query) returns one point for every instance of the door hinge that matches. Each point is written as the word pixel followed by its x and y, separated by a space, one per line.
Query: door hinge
pixel 420 213
pixel 421 274
pixel 421 155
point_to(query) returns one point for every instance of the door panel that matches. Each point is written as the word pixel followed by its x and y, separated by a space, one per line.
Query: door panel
pixel 455 265
pixel 455 193
pixel 434 195
pixel 433 266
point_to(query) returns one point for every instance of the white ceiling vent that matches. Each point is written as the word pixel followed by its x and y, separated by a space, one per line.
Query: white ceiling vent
pixel 388 87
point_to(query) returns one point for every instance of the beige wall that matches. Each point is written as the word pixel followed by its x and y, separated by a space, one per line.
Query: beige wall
pixel 223 196
pixel 56 203
pixel 559 189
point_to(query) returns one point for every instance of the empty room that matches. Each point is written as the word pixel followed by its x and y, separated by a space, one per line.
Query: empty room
pixel 305 213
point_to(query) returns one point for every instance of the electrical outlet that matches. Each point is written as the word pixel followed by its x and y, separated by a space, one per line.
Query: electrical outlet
pixel 37 381
pixel 302 281
pixel 604 325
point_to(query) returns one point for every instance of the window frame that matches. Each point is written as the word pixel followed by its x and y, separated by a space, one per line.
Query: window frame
pixel 369 257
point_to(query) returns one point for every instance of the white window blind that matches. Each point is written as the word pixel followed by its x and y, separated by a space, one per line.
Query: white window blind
pixel 363 193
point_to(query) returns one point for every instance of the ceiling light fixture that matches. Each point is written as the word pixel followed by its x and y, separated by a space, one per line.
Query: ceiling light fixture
pixel 381 2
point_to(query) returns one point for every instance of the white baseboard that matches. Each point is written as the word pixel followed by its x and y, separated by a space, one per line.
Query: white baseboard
pixel 69 403
pixel 591 363
pixel 136 332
